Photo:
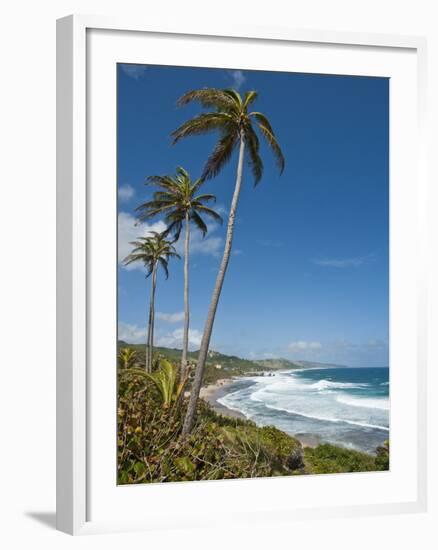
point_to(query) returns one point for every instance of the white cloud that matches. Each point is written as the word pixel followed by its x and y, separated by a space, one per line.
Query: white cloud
pixel 126 192
pixel 134 71
pixel 129 231
pixel 174 339
pixel 302 345
pixel 170 317
pixel 237 78
pixel 132 334
pixel 209 245
pixel 344 262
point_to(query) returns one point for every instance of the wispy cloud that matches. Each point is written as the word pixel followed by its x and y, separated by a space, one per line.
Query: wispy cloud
pixel 126 192
pixel 303 345
pixel 343 262
pixel 128 231
pixel 237 78
pixel 170 317
pixel 132 334
pixel 174 339
pixel 133 70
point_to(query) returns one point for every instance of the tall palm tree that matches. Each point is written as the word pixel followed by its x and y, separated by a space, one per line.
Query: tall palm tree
pixel 152 251
pixel 178 200
pixel 230 115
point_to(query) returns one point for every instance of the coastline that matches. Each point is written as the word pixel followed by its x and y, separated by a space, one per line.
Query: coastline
pixel 221 387
pixel 213 392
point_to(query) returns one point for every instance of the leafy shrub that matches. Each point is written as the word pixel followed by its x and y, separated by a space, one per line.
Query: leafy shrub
pixel 150 448
pixel 127 358
pixel 329 459
pixel 382 458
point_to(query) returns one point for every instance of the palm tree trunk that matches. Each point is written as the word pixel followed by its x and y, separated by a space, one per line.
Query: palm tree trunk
pixel 148 339
pixel 186 299
pixel 152 316
pixel 205 343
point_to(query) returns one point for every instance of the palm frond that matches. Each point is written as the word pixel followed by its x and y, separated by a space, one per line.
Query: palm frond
pixel 262 119
pixel 220 156
pixel 164 266
pixel 207 97
pixel 254 159
pixel 249 98
pixel 204 198
pixel 202 124
pixel 210 212
pixel 272 142
pixel 199 222
pixel 234 95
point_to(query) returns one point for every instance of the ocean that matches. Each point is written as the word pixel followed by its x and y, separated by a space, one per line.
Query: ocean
pixel 343 406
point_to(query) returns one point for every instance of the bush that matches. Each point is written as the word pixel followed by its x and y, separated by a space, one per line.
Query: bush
pixel 150 448
pixel 329 459
pixel 382 458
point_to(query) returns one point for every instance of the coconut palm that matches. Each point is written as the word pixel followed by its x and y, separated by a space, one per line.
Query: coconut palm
pixel 229 114
pixel 152 251
pixel 179 201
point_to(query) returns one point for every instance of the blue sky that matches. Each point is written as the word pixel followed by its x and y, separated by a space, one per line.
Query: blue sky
pixel 308 278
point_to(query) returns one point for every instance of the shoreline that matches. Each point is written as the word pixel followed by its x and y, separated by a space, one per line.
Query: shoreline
pixel 213 392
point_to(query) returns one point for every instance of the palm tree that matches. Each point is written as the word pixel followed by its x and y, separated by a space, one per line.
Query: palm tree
pixel 152 251
pixel 178 200
pixel 229 115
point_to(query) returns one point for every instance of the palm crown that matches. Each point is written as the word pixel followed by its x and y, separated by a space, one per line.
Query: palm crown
pixel 151 251
pixel 177 198
pixel 234 121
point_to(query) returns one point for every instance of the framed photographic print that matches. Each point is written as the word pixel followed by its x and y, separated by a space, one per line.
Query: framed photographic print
pixel 241 321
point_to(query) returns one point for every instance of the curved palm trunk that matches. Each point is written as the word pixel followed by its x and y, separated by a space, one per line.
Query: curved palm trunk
pixel 152 318
pixel 197 382
pixel 186 300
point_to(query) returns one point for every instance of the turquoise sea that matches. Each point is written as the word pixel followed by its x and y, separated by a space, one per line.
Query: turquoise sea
pixel 344 406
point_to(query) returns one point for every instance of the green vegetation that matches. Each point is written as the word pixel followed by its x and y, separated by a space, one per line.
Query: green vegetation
pixel 150 447
pixel 218 366
pixel 277 364
pixel 329 459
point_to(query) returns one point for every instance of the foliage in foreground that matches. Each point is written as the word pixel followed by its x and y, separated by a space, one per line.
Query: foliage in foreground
pixel 150 448
pixel 329 459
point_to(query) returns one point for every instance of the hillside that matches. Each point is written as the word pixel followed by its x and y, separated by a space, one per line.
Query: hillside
pixel 277 364
pixel 219 365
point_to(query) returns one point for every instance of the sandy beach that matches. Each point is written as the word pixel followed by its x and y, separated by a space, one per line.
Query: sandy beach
pixel 213 392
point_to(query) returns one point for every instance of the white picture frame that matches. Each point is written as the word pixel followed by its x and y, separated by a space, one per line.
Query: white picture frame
pixel 75 216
